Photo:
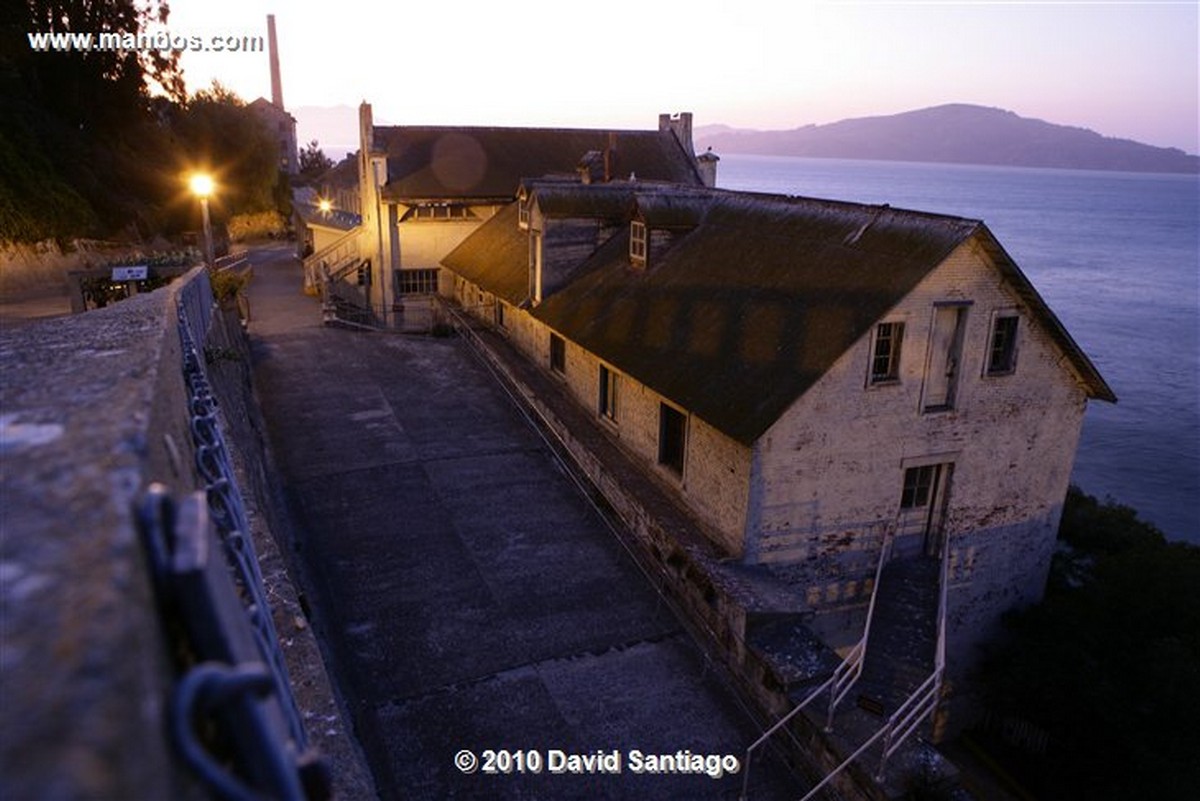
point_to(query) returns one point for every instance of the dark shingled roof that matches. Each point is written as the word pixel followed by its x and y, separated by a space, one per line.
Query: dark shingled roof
pixel 495 257
pixel 343 175
pixel 432 163
pixel 334 218
pixel 745 311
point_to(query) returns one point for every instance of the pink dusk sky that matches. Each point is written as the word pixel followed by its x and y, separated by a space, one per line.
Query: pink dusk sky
pixel 1127 70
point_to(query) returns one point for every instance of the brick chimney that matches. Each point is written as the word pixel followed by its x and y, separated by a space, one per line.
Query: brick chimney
pixel 681 125
pixel 273 47
pixel 706 165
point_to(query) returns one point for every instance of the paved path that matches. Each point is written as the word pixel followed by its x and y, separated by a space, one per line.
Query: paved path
pixel 470 597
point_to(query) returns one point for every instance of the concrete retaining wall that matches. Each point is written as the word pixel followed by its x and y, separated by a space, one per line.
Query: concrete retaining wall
pixel 92 410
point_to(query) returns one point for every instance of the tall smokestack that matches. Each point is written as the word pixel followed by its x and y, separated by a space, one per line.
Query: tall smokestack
pixel 276 83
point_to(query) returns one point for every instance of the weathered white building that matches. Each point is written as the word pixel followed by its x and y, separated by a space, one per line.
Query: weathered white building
pixel 812 378
pixel 424 189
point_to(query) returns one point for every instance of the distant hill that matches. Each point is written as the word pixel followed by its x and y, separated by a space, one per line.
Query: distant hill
pixel 957 133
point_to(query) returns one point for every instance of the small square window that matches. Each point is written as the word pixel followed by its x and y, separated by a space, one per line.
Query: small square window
pixel 608 393
pixel 558 354
pixel 885 353
pixel 637 242
pixel 1002 355
pixel 918 483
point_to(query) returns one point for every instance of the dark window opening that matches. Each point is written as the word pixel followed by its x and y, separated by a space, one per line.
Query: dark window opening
pixel 672 438
pixel 558 354
pixel 608 393
pixel 1002 357
pixel 918 484
pixel 417 282
pixel 885 358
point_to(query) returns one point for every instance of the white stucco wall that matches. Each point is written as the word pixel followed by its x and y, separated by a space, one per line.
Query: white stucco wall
pixel 424 243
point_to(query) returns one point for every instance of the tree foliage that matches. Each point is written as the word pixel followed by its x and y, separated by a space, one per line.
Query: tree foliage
pixel 1109 663
pixel 88 149
pixel 313 162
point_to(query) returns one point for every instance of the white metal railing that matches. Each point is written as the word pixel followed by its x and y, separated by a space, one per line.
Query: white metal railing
pixel 839 684
pixel 340 249
pixel 851 668
pixel 924 699
pixel 905 720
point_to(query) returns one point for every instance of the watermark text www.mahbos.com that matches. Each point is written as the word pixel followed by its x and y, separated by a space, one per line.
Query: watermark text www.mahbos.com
pixel 161 41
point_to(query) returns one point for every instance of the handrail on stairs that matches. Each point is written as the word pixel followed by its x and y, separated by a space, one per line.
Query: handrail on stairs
pixel 924 700
pixel 839 684
pixel 851 668
pixel 338 250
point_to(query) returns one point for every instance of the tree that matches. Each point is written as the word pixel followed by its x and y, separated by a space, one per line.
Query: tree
pixel 217 132
pixel 1109 663
pixel 76 130
pixel 313 162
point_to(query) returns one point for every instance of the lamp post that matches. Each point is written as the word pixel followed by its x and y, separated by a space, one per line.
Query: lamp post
pixel 202 187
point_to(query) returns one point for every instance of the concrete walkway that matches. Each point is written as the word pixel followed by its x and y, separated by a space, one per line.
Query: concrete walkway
pixel 467 594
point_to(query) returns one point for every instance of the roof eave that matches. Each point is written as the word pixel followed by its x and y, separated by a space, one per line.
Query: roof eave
pixel 1087 372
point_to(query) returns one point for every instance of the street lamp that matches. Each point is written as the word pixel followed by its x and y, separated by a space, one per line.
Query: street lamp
pixel 202 187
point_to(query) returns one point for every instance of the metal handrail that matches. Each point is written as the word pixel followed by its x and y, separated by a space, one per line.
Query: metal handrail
pixel 840 683
pixel 924 700
pixel 851 668
pixel 343 247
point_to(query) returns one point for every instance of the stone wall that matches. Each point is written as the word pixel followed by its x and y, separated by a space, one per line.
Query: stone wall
pixel 94 409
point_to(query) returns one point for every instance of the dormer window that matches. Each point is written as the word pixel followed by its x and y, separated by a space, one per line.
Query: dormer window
pixel 523 211
pixel 440 211
pixel 637 243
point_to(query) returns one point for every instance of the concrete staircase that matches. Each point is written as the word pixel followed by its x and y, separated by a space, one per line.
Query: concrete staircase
pixel 903 640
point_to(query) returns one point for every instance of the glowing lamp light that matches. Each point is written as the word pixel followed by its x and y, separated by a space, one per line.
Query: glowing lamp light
pixel 325 206
pixel 201 184
pixel 202 187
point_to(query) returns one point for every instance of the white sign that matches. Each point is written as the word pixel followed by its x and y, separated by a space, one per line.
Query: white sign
pixel 134 273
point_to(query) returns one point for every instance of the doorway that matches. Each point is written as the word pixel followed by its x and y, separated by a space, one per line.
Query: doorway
pixel 920 524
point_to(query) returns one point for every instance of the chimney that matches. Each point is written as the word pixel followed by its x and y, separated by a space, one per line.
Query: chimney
pixel 273 46
pixel 681 125
pixel 706 165
pixel 610 154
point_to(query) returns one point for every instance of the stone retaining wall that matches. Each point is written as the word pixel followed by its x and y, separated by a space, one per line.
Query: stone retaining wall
pixel 92 410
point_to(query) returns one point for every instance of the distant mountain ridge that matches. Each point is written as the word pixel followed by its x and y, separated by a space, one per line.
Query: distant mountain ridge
pixel 957 133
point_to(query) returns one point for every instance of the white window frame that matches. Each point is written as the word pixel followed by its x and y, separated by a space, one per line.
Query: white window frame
pixel 999 316
pixel 639 242
pixel 895 330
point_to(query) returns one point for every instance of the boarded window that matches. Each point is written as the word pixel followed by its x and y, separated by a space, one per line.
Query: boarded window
pixel 558 354
pixel 672 438
pixel 885 355
pixel 1002 355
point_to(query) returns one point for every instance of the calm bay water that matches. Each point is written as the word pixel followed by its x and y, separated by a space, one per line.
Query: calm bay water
pixel 1116 256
